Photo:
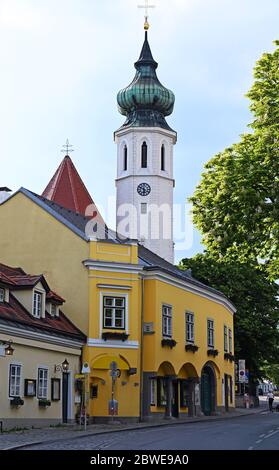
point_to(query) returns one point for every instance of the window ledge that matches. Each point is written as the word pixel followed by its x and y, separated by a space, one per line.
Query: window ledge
pixel 212 352
pixel 191 347
pixel 168 342
pixel 44 403
pixel 229 357
pixel 16 402
pixel 114 335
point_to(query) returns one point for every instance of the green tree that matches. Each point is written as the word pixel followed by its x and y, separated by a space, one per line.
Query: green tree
pixel 255 297
pixel 236 204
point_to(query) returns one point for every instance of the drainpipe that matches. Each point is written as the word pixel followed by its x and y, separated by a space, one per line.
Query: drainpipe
pixel 141 349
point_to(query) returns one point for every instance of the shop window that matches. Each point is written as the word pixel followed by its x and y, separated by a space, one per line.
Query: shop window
pixel 153 392
pixel 161 391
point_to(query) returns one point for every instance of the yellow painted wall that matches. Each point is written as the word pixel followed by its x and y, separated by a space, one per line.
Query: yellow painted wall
pixel 127 390
pixel 203 308
pixel 32 354
pixel 34 240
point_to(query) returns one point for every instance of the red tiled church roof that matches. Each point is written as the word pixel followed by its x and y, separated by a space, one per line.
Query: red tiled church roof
pixel 67 188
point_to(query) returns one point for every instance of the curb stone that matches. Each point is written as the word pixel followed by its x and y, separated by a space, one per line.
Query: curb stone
pixel 125 429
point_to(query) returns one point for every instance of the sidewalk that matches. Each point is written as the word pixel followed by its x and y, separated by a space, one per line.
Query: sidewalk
pixel 18 439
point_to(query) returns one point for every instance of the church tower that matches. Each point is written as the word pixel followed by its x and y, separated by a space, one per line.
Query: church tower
pixel 145 143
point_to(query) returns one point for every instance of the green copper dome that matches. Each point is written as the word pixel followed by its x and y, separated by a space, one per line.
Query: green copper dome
pixel 146 101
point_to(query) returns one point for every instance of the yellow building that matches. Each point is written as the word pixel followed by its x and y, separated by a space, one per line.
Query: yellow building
pixel 40 353
pixel 159 343
pixel 136 309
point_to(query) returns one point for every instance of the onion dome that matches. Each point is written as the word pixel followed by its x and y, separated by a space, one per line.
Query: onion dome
pixel 146 101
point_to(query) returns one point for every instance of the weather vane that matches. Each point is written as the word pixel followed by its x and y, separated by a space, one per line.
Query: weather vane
pixel 146 7
pixel 67 147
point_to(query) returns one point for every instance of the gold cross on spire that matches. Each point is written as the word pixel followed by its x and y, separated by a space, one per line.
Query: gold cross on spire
pixel 146 7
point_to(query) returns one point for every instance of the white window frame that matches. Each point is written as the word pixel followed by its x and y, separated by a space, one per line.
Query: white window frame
pixel 226 344
pixel 210 333
pixel 167 321
pixel 42 388
pixel 190 327
pixel 35 312
pixel 2 295
pixel 114 307
pixel 153 391
pixel 230 341
pixel 17 376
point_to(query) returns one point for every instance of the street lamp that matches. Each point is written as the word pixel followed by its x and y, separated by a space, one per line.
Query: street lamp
pixel 7 348
pixel 64 367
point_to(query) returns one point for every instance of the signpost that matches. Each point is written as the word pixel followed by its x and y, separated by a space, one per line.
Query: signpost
pixel 113 404
pixel 85 393
pixel 241 371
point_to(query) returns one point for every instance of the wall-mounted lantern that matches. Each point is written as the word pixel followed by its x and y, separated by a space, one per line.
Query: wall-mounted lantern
pixel 64 367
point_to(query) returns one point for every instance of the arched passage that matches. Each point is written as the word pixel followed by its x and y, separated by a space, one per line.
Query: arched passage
pixel 208 389
pixel 188 378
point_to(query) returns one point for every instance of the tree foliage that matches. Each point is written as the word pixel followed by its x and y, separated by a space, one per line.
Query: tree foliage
pixel 236 204
pixel 255 297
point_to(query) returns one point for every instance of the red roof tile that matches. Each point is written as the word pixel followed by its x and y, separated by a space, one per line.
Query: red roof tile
pixel 55 297
pixel 18 278
pixel 15 312
pixel 67 188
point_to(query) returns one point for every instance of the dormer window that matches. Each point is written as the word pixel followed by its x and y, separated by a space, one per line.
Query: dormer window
pixel 37 304
pixel 54 310
pixel 2 295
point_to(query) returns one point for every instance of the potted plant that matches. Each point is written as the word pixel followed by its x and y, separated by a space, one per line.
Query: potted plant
pixel 229 357
pixel 212 352
pixel 168 342
pixel 17 402
pixel 115 335
pixel 191 348
pixel 44 403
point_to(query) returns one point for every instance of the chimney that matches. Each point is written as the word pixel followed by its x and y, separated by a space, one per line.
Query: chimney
pixel 4 194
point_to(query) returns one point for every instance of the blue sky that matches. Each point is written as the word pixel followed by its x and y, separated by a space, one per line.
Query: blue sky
pixel 63 62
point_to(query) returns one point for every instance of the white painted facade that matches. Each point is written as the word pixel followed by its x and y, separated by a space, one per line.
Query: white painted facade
pixel 132 221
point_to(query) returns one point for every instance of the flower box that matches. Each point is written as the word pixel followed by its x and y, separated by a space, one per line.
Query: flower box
pixel 115 335
pixel 191 348
pixel 44 403
pixel 171 343
pixel 212 352
pixel 16 402
pixel 229 357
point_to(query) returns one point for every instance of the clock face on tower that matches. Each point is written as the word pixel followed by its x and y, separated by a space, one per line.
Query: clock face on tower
pixel 144 189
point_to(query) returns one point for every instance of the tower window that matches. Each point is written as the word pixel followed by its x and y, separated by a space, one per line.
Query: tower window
pixel 163 155
pixel 144 155
pixel 144 208
pixel 125 163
